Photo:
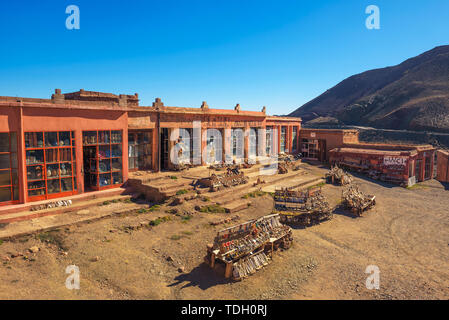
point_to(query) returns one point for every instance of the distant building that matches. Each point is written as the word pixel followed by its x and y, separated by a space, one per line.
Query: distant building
pixel 443 166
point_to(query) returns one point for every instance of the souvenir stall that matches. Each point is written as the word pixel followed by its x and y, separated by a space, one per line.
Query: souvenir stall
pixel 245 248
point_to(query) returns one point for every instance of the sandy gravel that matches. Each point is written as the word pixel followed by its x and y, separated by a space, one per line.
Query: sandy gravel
pixel 406 235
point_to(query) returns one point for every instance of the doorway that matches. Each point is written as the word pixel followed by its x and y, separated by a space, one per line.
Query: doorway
pixel 89 157
pixel 164 143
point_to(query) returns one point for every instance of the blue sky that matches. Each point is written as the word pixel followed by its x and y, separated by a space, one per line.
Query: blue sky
pixel 254 52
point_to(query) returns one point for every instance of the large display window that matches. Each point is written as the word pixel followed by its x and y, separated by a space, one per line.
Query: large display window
pixel 50 164
pixel 9 181
pixel 283 139
pixel 294 139
pixel 139 150
pixel 102 154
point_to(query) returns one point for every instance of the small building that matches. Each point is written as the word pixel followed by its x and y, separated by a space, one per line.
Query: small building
pixel 315 144
pixel 89 141
pixel 443 165
pixel 400 164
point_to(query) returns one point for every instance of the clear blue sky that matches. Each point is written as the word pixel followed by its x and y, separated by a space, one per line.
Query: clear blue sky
pixel 254 52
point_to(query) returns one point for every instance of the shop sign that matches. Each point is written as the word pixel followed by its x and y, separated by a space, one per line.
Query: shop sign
pixel 395 161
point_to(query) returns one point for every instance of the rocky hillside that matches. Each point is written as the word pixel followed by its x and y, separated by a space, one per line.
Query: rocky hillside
pixel 413 95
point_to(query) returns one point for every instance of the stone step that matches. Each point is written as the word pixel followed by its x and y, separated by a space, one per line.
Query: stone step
pixel 246 188
pixel 236 206
pixel 75 199
pixel 293 184
pixel 28 215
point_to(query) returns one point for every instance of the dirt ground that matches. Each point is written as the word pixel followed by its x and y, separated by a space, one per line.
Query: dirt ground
pixel 121 257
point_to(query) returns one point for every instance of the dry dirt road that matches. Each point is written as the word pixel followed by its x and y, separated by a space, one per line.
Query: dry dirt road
pixel 406 235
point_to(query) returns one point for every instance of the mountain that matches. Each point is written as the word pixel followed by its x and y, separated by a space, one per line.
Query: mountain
pixel 413 95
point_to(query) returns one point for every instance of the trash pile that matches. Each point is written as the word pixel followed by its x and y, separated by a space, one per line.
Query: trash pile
pixel 288 161
pixel 356 201
pixel 232 177
pixel 224 166
pixel 302 208
pixel 181 166
pixel 338 176
pixel 245 248
pixel 282 168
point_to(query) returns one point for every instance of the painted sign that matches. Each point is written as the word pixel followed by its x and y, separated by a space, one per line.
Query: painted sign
pixel 395 161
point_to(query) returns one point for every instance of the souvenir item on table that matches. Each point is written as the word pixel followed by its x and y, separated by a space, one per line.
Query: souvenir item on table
pixel 243 247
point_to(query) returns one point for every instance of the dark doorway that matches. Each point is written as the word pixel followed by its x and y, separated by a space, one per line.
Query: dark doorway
pixel 322 150
pixel 89 160
pixel 164 145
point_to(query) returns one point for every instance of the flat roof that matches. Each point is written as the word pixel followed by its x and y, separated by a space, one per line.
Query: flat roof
pixel 374 151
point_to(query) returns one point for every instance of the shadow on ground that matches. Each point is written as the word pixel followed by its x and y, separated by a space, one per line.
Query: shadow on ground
pixel 378 182
pixel 202 277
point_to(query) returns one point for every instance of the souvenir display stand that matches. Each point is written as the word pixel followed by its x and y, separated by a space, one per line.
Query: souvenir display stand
pixel 247 247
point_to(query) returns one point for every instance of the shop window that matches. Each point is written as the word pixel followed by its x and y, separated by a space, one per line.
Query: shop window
pixel 102 154
pixel 50 164
pixel 9 180
pixel 295 139
pixel 427 167
pixel 268 140
pixel 140 150
pixel 283 138
pixel 310 149
pixel 253 143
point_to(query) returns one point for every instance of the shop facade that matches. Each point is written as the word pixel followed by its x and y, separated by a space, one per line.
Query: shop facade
pixel 406 167
pixel 90 141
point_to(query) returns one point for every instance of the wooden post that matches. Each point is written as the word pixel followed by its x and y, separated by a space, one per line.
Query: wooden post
pixel 228 271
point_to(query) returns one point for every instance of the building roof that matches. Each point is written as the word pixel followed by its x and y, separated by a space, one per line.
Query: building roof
pixel 83 99
pixel 329 130
pixel 374 151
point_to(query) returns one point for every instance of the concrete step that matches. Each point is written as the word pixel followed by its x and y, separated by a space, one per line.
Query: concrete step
pixel 292 184
pixel 75 199
pixel 236 206
pixel 79 205
pixel 246 188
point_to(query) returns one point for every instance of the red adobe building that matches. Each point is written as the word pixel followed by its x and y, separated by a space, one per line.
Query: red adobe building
pixel 87 141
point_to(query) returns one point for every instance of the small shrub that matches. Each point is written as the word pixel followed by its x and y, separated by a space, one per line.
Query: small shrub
pixel 187 233
pixel 213 208
pixel 155 222
pixel 205 199
pixel 254 194
pixel 180 192
pixel 154 207
pixel 175 237
pixel 173 177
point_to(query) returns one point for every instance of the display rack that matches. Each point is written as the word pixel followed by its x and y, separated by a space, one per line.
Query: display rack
pixel 139 150
pixel 9 182
pixel 247 247
pixel 50 164
pixel 104 163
